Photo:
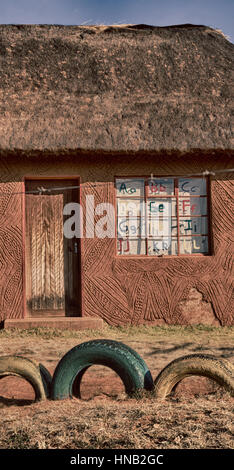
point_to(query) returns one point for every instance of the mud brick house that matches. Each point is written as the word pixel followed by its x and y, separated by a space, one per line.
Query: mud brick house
pixel 134 116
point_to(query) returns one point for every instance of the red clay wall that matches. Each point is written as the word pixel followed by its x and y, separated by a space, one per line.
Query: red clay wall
pixel 182 290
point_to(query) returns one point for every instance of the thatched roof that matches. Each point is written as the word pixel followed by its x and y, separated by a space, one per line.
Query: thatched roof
pixel 115 88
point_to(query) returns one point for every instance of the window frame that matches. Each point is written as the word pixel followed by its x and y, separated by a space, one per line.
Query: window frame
pixel 160 196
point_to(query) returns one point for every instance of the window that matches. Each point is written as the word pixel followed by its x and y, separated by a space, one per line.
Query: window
pixel 162 216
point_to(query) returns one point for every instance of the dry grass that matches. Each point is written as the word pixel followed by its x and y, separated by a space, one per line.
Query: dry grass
pixel 105 417
pixel 203 423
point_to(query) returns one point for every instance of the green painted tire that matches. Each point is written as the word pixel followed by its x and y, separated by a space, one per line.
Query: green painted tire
pixel 218 369
pixel 130 367
pixel 148 380
pixel 36 374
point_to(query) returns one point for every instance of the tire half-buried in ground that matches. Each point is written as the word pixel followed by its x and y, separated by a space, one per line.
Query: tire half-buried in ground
pixel 148 382
pixel 46 379
pixel 36 374
pixel 218 369
pixel 130 367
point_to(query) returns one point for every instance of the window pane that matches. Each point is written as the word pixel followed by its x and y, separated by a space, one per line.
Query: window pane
pixel 191 245
pixel 160 186
pixel 164 246
pixel 131 247
pixel 131 208
pixel 130 187
pixel 131 227
pixel 193 225
pixel 161 207
pixel 173 227
pixel 162 227
pixel 155 217
pixel 192 186
pixel 192 206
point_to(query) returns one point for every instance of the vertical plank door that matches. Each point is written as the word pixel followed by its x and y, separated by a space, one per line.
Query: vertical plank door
pixel 52 261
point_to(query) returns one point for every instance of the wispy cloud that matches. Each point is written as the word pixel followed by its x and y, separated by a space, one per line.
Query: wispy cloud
pixel 86 22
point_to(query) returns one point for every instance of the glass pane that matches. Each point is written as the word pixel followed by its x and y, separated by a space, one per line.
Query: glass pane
pixel 131 247
pixel 130 187
pixel 191 245
pixel 192 206
pixel 160 186
pixel 192 186
pixel 161 207
pixel 131 227
pixel 161 247
pixel 173 227
pixel 162 227
pixel 193 225
pixel 131 208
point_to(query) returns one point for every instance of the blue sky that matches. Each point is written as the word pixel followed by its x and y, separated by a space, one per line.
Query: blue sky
pixel 214 13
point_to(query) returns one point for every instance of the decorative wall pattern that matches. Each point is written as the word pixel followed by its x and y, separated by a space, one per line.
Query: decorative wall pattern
pixel 11 250
pixel 177 290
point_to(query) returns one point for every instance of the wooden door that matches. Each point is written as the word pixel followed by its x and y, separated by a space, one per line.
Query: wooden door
pixel 52 261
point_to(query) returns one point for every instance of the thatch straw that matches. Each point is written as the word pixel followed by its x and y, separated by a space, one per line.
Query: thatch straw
pixel 115 88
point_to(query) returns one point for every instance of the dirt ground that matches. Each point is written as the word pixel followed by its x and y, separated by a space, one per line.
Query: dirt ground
pixel 198 415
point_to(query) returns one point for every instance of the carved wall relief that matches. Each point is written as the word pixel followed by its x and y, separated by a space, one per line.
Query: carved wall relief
pixel 164 290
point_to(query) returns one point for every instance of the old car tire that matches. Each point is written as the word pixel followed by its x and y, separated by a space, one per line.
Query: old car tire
pixel 77 383
pixel 36 374
pixel 149 385
pixel 46 379
pixel 218 369
pixel 133 372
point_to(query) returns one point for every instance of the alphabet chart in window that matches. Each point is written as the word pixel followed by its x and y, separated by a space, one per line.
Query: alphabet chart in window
pixel 162 216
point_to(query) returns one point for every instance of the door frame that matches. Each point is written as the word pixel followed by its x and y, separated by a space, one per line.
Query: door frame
pixel 41 178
